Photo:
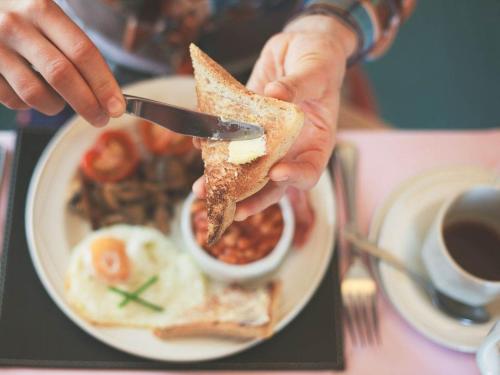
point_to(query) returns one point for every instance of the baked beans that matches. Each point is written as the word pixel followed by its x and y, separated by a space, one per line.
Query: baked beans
pixel 244 241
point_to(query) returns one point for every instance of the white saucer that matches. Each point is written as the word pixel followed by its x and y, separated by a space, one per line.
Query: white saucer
pixel 400 226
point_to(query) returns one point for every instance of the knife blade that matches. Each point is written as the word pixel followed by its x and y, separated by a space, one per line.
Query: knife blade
pixel 189 122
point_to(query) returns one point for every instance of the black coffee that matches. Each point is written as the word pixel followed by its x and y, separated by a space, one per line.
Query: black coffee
pixel 475 246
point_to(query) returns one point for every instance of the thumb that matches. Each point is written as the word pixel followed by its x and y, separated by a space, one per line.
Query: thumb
pixel 304 81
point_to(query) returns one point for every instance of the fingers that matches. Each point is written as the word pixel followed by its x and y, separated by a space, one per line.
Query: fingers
pixel 27 85
pixel 302 175
pixel 269 64
pixel 81 52
pixel 37 35
pixel 311 67
pixel 261 74
pixel 302 172
pixel 303 83
pixel 305 169
pixel 270 194
pixel 199 188
pixel 8 96
pixel 255 82
pixel 197 142
pixel 56 69
pixel 304 215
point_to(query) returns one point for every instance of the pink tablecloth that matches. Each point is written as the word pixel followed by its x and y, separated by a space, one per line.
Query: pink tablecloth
pixel 386 159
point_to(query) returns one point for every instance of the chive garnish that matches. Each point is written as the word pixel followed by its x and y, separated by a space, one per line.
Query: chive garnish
pixel 136 299
pixel 140 290
pixel 135 295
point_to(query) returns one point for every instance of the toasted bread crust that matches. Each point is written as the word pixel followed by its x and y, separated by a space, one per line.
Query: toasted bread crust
pixel 228 329
pixel 220 94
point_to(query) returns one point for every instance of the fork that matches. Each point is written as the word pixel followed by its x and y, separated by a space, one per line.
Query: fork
pixel 3 163
pixel 358 288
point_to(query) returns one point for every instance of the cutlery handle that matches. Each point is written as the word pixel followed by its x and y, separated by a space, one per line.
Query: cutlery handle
pixel 3 163
pixel 346 156
pixel 345 168
pixel 366 246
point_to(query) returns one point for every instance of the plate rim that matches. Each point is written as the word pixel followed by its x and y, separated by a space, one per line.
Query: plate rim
pixel 375 228
pixel 94 330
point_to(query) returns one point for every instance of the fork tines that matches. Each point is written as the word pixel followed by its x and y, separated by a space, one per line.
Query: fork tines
pixel 360 306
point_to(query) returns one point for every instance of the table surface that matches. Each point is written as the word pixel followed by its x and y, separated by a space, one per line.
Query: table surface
pixel 387 158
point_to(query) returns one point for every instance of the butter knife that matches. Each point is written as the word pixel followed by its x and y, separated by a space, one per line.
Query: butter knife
pixel 189 122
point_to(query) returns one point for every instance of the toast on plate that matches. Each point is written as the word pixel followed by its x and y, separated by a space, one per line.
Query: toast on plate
pixel 230 311
pixel 236 170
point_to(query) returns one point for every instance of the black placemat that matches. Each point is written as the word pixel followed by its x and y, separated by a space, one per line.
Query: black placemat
pixel 35 333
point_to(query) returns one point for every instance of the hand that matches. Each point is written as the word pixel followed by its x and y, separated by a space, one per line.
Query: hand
pixel 45 60
pixel 304 216
pixel 304 64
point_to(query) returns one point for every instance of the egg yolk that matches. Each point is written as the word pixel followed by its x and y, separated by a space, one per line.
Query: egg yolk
pixel 110 260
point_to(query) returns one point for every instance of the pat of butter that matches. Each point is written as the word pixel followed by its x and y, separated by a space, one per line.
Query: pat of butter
pixel 241 152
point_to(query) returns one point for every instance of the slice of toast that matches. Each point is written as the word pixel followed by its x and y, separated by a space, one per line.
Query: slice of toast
pixel 227 183
pixel 231 311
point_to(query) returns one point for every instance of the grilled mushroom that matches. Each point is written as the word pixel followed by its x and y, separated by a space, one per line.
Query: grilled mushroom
pixel 147 197
pixel 161 219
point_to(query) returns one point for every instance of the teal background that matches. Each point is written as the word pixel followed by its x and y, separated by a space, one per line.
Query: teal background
pixel 442 72
pixel 6 118
pixel 444 69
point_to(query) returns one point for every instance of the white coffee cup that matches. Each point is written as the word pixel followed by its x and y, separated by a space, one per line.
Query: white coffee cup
pixel 481 203
pixel 488 355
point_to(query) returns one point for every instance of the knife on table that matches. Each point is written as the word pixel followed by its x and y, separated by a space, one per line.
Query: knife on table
pixel 189 122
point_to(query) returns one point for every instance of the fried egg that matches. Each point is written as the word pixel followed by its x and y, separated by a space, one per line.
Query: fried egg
pixel 123 258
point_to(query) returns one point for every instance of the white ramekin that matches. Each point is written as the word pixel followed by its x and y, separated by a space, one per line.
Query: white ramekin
pixel 222 271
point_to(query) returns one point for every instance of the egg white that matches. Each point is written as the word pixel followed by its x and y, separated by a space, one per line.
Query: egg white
pixel 180 285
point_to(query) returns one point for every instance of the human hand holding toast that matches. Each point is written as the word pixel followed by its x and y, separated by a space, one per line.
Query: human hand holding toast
pixel 304 65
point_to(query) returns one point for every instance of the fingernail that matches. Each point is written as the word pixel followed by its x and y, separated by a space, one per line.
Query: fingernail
pixel 281 178
pixel 240 216
pixel 197 187
pixel 101 120
pixel 115 107
pixel 279 90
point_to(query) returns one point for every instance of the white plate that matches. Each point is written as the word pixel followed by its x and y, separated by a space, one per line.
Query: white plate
pixel 52 231
pixel 400 226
